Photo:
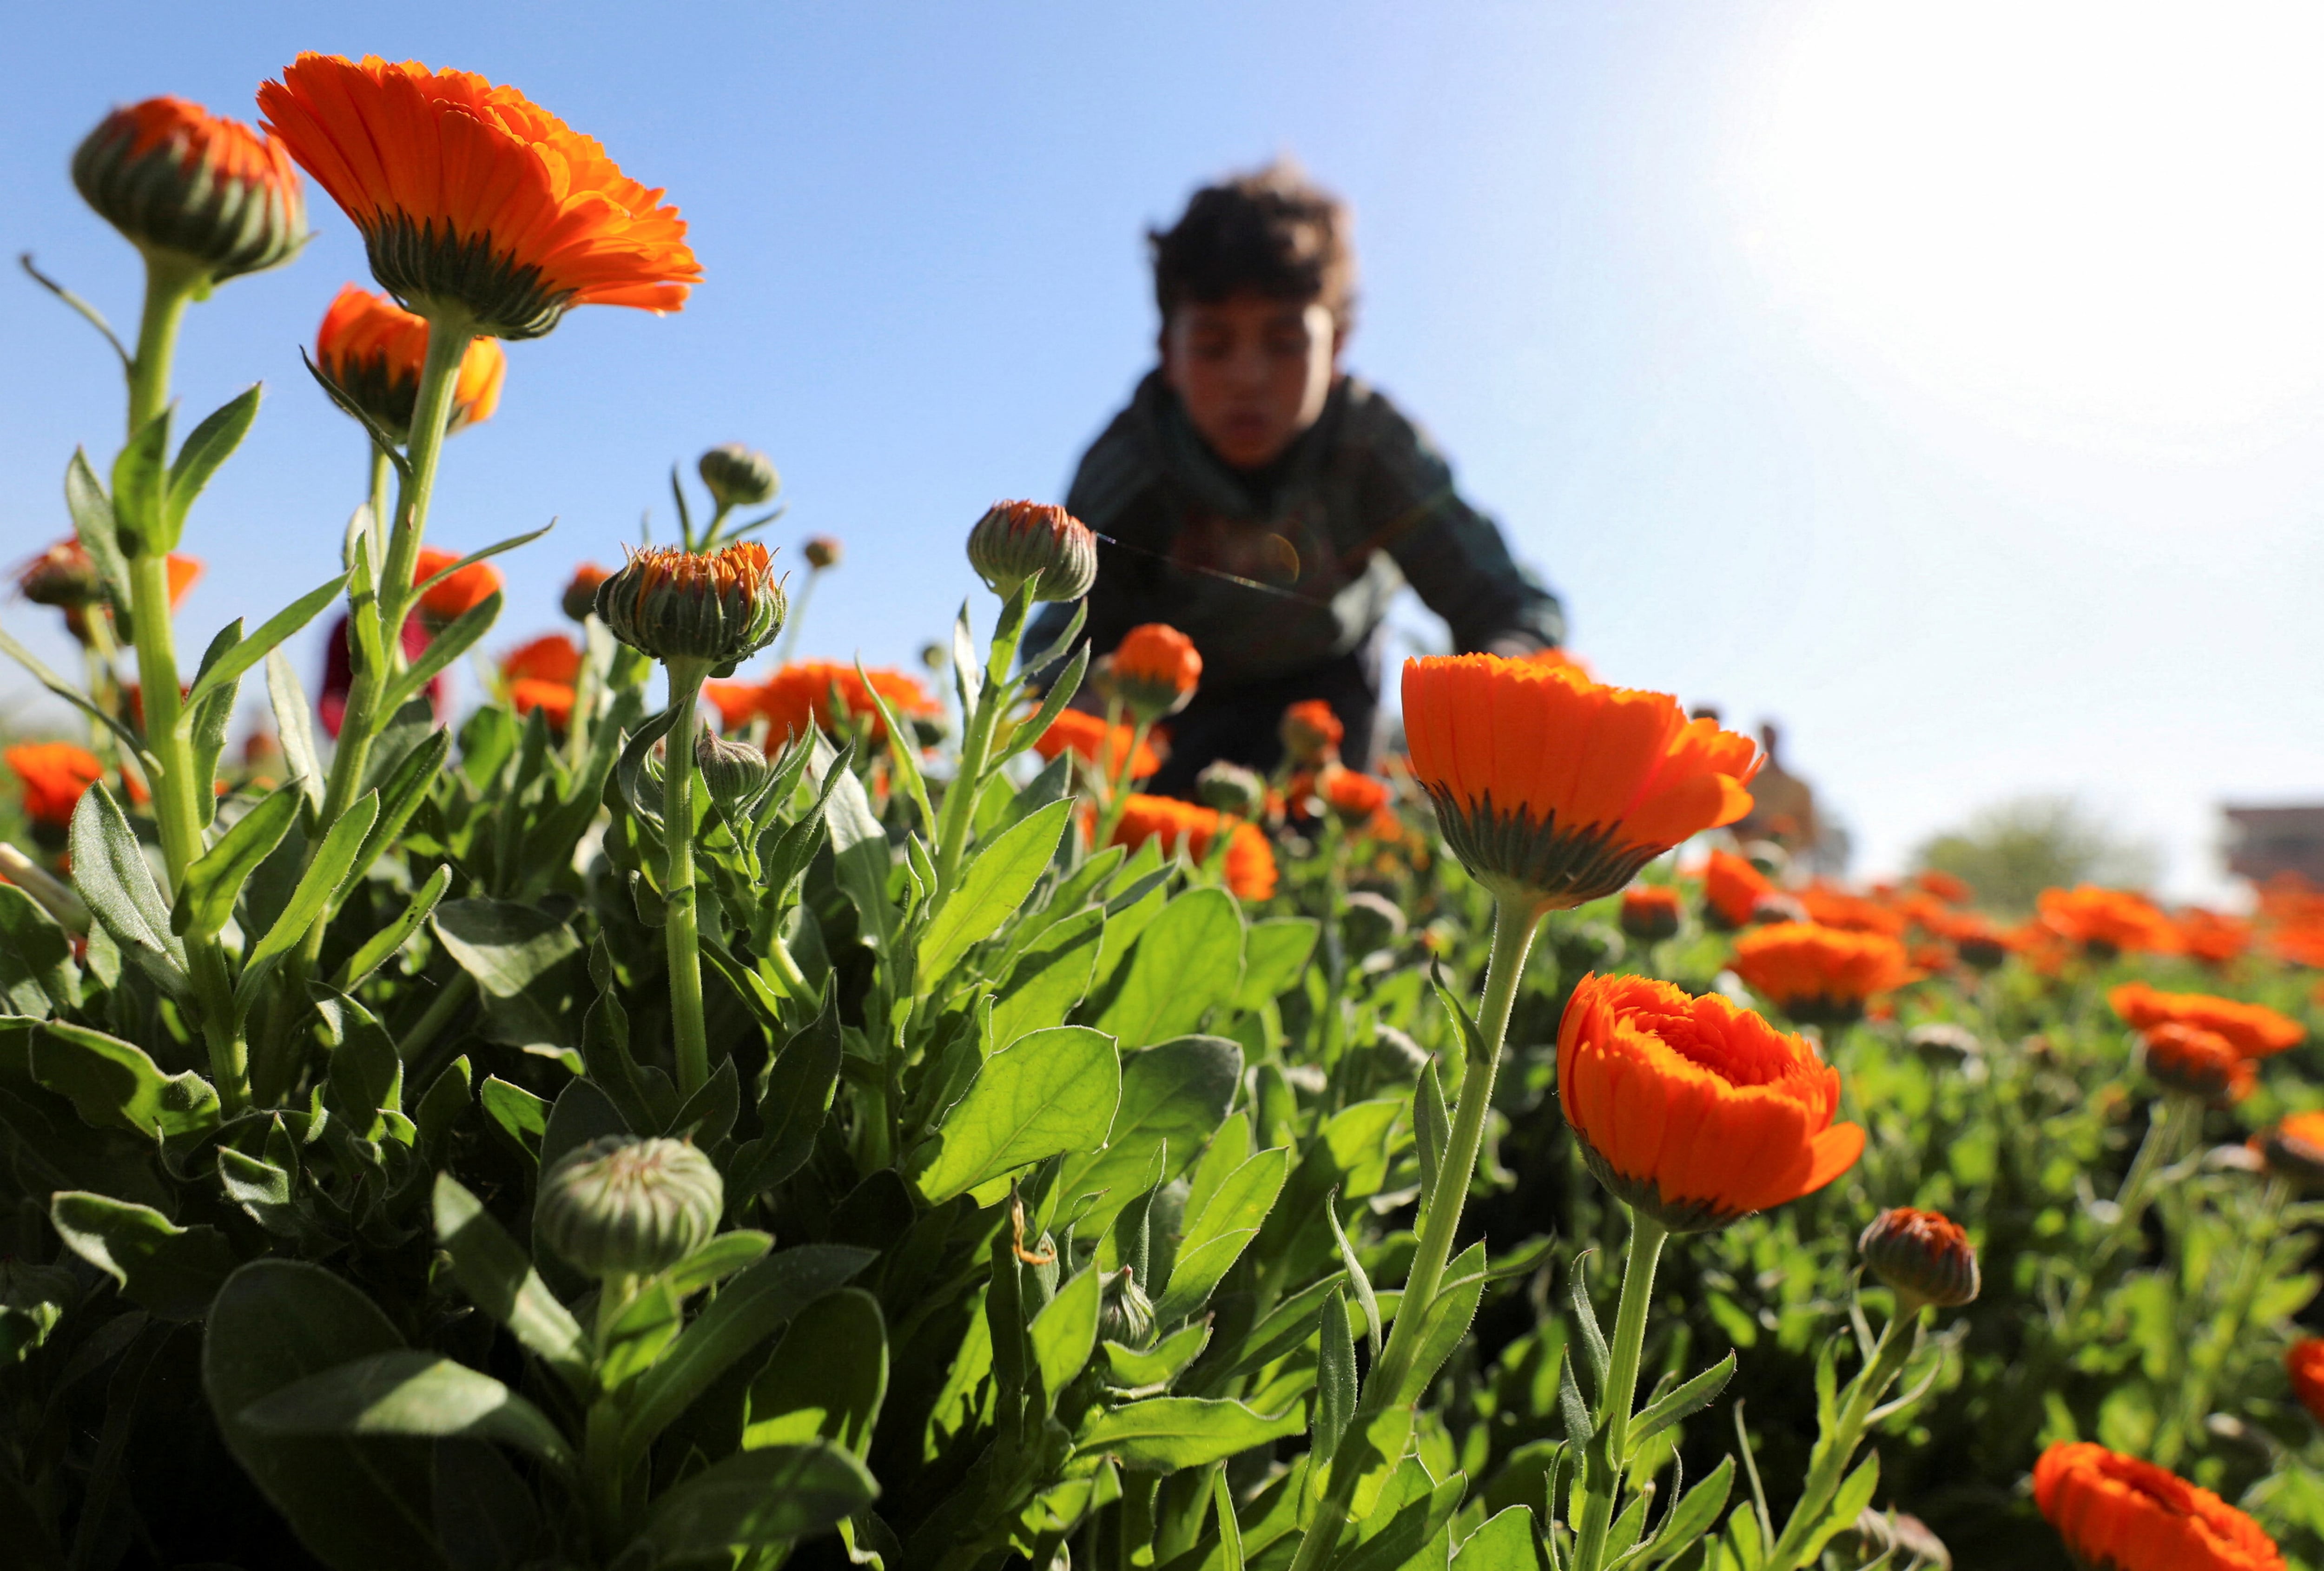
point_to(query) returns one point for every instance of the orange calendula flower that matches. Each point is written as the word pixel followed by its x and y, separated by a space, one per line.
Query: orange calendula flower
pixel 458 595
pixel 1154 669
pixel 373 350
pixel 476 203
pixel 53 774
pixel 1651 912
pixel 737 703
pixel 1556 789
pixel 1947 887
pixel 1731 891
pixel 1693 1110
pixel 1310 733
pixel 2198 1063
pixel 2211 937
pixel 1251 871
pixel 2294 1148
pixel 1828 907
pixel 816 692
pixel 2107 922
pixel 177 180
pixel 1090 739
pixel 2304 1364
pixel 2119 1513
pixel 555 699
pixel 1979 943
pixel 1354 798
pixel 2254 1029
pixel 550 658
pixel 1820 975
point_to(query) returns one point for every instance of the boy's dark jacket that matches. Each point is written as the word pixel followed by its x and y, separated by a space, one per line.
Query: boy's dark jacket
pixel 1361 503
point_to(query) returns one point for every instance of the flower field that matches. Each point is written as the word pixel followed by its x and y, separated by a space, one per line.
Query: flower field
pixel 706 1107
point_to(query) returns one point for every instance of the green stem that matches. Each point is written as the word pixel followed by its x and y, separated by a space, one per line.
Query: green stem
pixel 1514 924
pixel 1118 778
pixel 682 937
pixel 976 748
pixel 169 286
pixel 797 618
pixel 2195 1393
pixel 449 1000
pixel 1609 1450
pixel 1833 1451
pixel 377 494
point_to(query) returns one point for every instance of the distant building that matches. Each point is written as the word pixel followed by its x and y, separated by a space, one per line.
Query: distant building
pixel 2264 843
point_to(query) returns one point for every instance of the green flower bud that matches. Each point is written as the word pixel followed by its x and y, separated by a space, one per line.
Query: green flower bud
pixel 1922 1255
pixel 1124 1313
pixel 621 1206
pixel 739 476
pixel 580 598
pixel 1018 541
pixel 1229 787
pixel 733 772
pixel 821 551
pixel 721 607
pixel 179 181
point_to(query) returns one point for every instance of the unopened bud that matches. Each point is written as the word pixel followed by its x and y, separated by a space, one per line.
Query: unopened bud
pixel 1154 670
pixel 62 576
pixel 2294 1150
pixel 2198 1063
pixel 175 179
pixel 1310 733
pixel 580 601
pixel 1923 1255
pixel 1125 1314
pixel 732 771
pixel 739 476
pixel 1020 542
pixel 1229 787
pixel 821 551
pixel 720 607
pixel 1650 912
pixel 621 1206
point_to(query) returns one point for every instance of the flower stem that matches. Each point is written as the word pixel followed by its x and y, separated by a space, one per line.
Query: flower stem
pixel 1834 1450
pixel 1513 925
pixel 1609 1450
pixel 797 616
pixel 170 286
pixel 976 748
pixel 2223 1332
pixel 680 932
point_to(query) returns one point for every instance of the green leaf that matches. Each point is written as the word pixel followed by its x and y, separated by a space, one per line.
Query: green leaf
pixel 645 1326
pixel 37 974
pixel 997 880
pixel 800 1086
pixel 1052 1091
pixel 826 1380
pixel 366 1072
pixel 174 1271
pixel 110 871
pixel 1275 952
pixel 67 691
pixel 1217 1237
pixel 448 644
pixel 382 439
pixel 861 856
pixel 1399 1542
pixel 519 956
pixel 1854 1496
pixel 760 1498
pixel 500 1280
pixel 317 887
pixel 746 1312
pixel 1186 961
pixel 1229 1529
pixel 139 483
pixel 206 446
pixel 1365 1300
pixel 1053 704
pixel 1064 1334
pixel 1431 1129
pixel 1165 1361
pixel 214 882
pixel 1179 1092
pixel 95 528
pixel 115 1085
pixel 403 1391
pixel 1505 1543
pixel 229 667
pixel 1335 1379
pixel 518 1111
pixel 383 945
pixel 1163 1434
pixel 1449 1315
pixel 1681 1402
pixel 716 1261
pixel 1690 1517
pixel 294 727
pixel 582 1113
pixel 1585 1316
pixel 358 1505
pixel 1052 976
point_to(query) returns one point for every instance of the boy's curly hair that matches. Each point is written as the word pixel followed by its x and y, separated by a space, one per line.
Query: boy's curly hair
pixel 1273 231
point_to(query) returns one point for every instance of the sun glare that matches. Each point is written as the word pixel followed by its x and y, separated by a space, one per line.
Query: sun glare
pixel 2082 216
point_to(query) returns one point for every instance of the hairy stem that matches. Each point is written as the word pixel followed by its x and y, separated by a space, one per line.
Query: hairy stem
pixel 1834 1450
pixel 976 749
pixel 1609 1450
pixel 682 937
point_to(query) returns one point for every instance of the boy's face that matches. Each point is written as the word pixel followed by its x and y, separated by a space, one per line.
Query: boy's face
pixel 1252 371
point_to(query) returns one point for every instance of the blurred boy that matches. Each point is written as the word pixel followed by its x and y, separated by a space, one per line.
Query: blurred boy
pixel 1249 454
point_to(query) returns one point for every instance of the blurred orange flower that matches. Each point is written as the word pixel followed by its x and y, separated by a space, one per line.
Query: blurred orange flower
pixel 1251 871
pixel 2253 1029
pixel 1820 975
pixel 2211 937
pixel 53 774
pixel 1731 888
pixel 2305 1364
pixel 1851 914
pixel 2202 1064
pixel 475 201
pixel 1944 886
pixel 1651 911
pixel 554 700
pixel 1693 1110
pixel 1088 738
pixel 813 692
pixel 2107 922
pixel 550 658
pixel 1354 798
pixel 461 593
pixel 2116 1512
pixel 737 703
pixel 1556 789
pixel 1310 733
pixel 1156 669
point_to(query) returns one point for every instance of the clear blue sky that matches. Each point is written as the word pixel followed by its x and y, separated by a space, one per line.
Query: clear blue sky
pixel 1947 387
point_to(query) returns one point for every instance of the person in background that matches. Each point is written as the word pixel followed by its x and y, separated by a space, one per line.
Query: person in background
pixel 1783 805
pixel 1267 504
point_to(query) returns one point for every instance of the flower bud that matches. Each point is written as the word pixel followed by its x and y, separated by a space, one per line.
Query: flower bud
pixel 732 771
pixel 176 180
pixel 63 576
pixel 1354 798
pixel 1310 733
pixel 1650 912
pixel 1016 541
pixel 1124 1313
pixel 374 351
pixel 739 476
pixel 2293 1149
pixel 1154 670
pixel 2194 1062
pixel 821 551
pixel 580 601
pixel 621 1206
pixel 1229 787
pixel 1923 1255
pixel 681 605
